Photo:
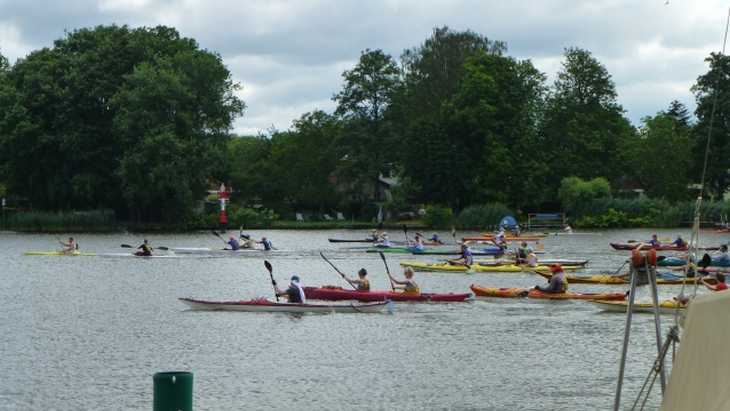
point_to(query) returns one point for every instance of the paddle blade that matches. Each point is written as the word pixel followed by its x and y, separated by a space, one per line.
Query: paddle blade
pixel 268 266
pixel 163 248
pixel 126 246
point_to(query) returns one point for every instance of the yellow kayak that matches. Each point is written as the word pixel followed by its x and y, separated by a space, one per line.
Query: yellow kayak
pixel 665 307
pixel 476 268
pixel 58 254
pixel 613 279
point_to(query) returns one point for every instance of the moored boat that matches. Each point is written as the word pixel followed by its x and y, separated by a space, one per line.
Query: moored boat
pixel 665 307
pixel 330 293
pixel 611 279
pixel 266 306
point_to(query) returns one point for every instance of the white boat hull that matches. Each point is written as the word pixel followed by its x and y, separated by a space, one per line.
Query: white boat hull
pixel 266 306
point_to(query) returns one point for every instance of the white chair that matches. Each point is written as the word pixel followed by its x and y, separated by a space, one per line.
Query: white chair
pixel 300 217
pixel 327 217
pixel 340 216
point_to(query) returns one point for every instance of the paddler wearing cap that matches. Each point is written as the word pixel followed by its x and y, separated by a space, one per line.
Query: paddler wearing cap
pixel 363 284
pixel 295 292
pixel 557 283
pixel 466 258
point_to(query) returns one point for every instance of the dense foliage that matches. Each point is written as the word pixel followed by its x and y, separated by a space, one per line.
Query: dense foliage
pixel 111 117
pixel 138 121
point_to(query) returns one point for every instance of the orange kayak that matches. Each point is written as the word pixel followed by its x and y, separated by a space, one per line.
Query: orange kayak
pixel 480 291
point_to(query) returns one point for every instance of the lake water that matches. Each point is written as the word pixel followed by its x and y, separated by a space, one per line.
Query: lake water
pixel 88 333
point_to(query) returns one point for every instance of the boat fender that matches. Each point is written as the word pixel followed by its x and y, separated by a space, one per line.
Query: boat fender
pixel 639 259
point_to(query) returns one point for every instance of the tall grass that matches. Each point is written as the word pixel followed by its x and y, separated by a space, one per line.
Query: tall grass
pixel 57 222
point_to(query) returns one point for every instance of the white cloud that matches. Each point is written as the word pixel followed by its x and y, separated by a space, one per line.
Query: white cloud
pixel 289 54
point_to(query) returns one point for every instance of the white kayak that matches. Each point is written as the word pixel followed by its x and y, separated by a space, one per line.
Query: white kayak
pixel 57 254
pixel 266 306
pixel 222 251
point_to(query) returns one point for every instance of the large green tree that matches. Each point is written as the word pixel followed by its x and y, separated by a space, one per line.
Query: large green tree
pixel 584 127
pixel 660 158
pixel 712 91
pixel 366 144
pixel 88 110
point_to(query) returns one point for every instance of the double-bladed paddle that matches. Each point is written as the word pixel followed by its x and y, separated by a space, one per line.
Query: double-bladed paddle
pixel 387 270
pixel 344 277
pixel 130 246
pixel 268 266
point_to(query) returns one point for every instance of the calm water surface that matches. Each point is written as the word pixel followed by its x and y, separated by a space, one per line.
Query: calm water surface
pixel 88 333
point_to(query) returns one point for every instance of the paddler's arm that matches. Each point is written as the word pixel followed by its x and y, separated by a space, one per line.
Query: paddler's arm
pixel 708 285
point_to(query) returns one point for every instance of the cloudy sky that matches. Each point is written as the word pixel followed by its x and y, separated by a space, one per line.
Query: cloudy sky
pixel 289 55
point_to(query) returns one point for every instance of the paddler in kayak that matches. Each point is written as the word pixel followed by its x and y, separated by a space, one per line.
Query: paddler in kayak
pixel 720 286
pixel 466 258
pixel 435 240
pixel 531 259
pixel 295 292
pixel 384 241
pixel 557 284
pixel 247 242
pixel 233 243
pixel 70 247
pixel 522 252
pixel 268 246
pixel 679 242
pixel 363 284
pixel 654 242
pixel 145 250
pixel 417 244
pixel 408 285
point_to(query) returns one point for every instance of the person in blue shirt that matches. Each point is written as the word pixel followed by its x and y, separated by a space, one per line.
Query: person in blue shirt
pixel 679 242
pixel 233 243
pixel 466 257
pixel 295 292
pixel 654 242
pixel 266 243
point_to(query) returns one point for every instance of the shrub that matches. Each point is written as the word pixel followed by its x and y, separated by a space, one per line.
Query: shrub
pixel 251 217
pixel 69 221
pixel 574 191
pixel 438 216
pixel 482 216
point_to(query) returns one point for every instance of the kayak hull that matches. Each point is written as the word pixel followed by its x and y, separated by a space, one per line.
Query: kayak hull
pixel 474 268
pixel 338 240
pixel 57 254
pixel 536 294
pixel 609 279
pixel 340 294
pixel 665 307
pixel 408 250
pixel 266 306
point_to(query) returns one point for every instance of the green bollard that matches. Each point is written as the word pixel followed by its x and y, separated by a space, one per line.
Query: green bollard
pixel 173 391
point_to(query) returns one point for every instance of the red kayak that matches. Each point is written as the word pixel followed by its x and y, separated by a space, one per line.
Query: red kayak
pixel 331 293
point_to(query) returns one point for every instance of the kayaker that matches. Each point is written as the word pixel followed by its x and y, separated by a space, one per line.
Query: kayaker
pixel 235 245
pixel 679 242
pixel 722 256
pixel 295 292
pixel 363 284
pixel 145 249
pixel 522 252
pixel 435 239
pixel 70 246
pixel 408 285
pixel 247 242
pixel 654 242
pixel 466 258
pixel 384 241
pixel 557 283
pixel 418 243
pixel 268 246
pixel 720 286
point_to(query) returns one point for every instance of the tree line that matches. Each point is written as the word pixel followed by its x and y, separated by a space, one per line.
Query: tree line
pixel 139 120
